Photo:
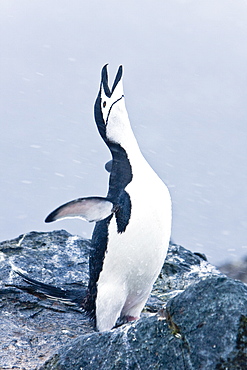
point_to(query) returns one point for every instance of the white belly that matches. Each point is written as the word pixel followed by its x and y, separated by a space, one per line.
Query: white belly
pixel 134 258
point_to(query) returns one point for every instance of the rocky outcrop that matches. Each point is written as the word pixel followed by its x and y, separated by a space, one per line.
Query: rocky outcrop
pixel 236 269
pixel 196 318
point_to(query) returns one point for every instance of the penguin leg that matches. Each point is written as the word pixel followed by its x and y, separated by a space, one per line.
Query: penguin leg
pixel 134 312
pixel 109 303
pixel 132 309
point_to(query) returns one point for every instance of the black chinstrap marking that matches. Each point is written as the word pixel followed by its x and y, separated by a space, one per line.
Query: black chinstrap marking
pixel 97 106
pixel 112 107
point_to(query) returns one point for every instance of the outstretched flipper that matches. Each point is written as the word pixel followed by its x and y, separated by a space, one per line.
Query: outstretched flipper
pixel 90 209
pixel 70 297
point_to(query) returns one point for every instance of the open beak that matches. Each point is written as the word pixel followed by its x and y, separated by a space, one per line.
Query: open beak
pixel 104 80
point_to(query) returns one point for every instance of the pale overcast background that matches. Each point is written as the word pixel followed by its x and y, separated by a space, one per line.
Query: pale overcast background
pixel 185 80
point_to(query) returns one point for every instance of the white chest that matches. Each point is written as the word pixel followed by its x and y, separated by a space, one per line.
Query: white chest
pixel 134 258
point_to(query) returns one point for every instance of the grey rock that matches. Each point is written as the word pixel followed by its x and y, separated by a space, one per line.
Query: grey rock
pixel 196 318
pixel 203 330
pixel 32 329
pixel 236 269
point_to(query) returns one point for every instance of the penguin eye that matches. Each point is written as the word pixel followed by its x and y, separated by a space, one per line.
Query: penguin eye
pixel 104 104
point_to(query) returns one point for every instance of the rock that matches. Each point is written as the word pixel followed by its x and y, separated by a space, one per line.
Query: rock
pixel 32 329
pixel 203 330
pixel 236 270
pixel 201 321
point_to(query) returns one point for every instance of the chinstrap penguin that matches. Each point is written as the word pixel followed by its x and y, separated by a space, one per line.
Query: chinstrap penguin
pixel 133 222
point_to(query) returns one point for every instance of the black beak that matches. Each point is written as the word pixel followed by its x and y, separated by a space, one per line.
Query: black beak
pixel 104 80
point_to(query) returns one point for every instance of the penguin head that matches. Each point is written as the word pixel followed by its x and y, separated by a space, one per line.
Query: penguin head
pixel 110 113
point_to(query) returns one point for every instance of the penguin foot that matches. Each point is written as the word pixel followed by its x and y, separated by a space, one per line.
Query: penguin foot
pixel 124 320
pixel 131 318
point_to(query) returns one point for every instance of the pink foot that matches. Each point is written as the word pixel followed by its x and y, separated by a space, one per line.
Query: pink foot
pixel 131 318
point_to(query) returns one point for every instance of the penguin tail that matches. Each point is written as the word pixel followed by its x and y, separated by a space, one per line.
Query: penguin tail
pixel 72 297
